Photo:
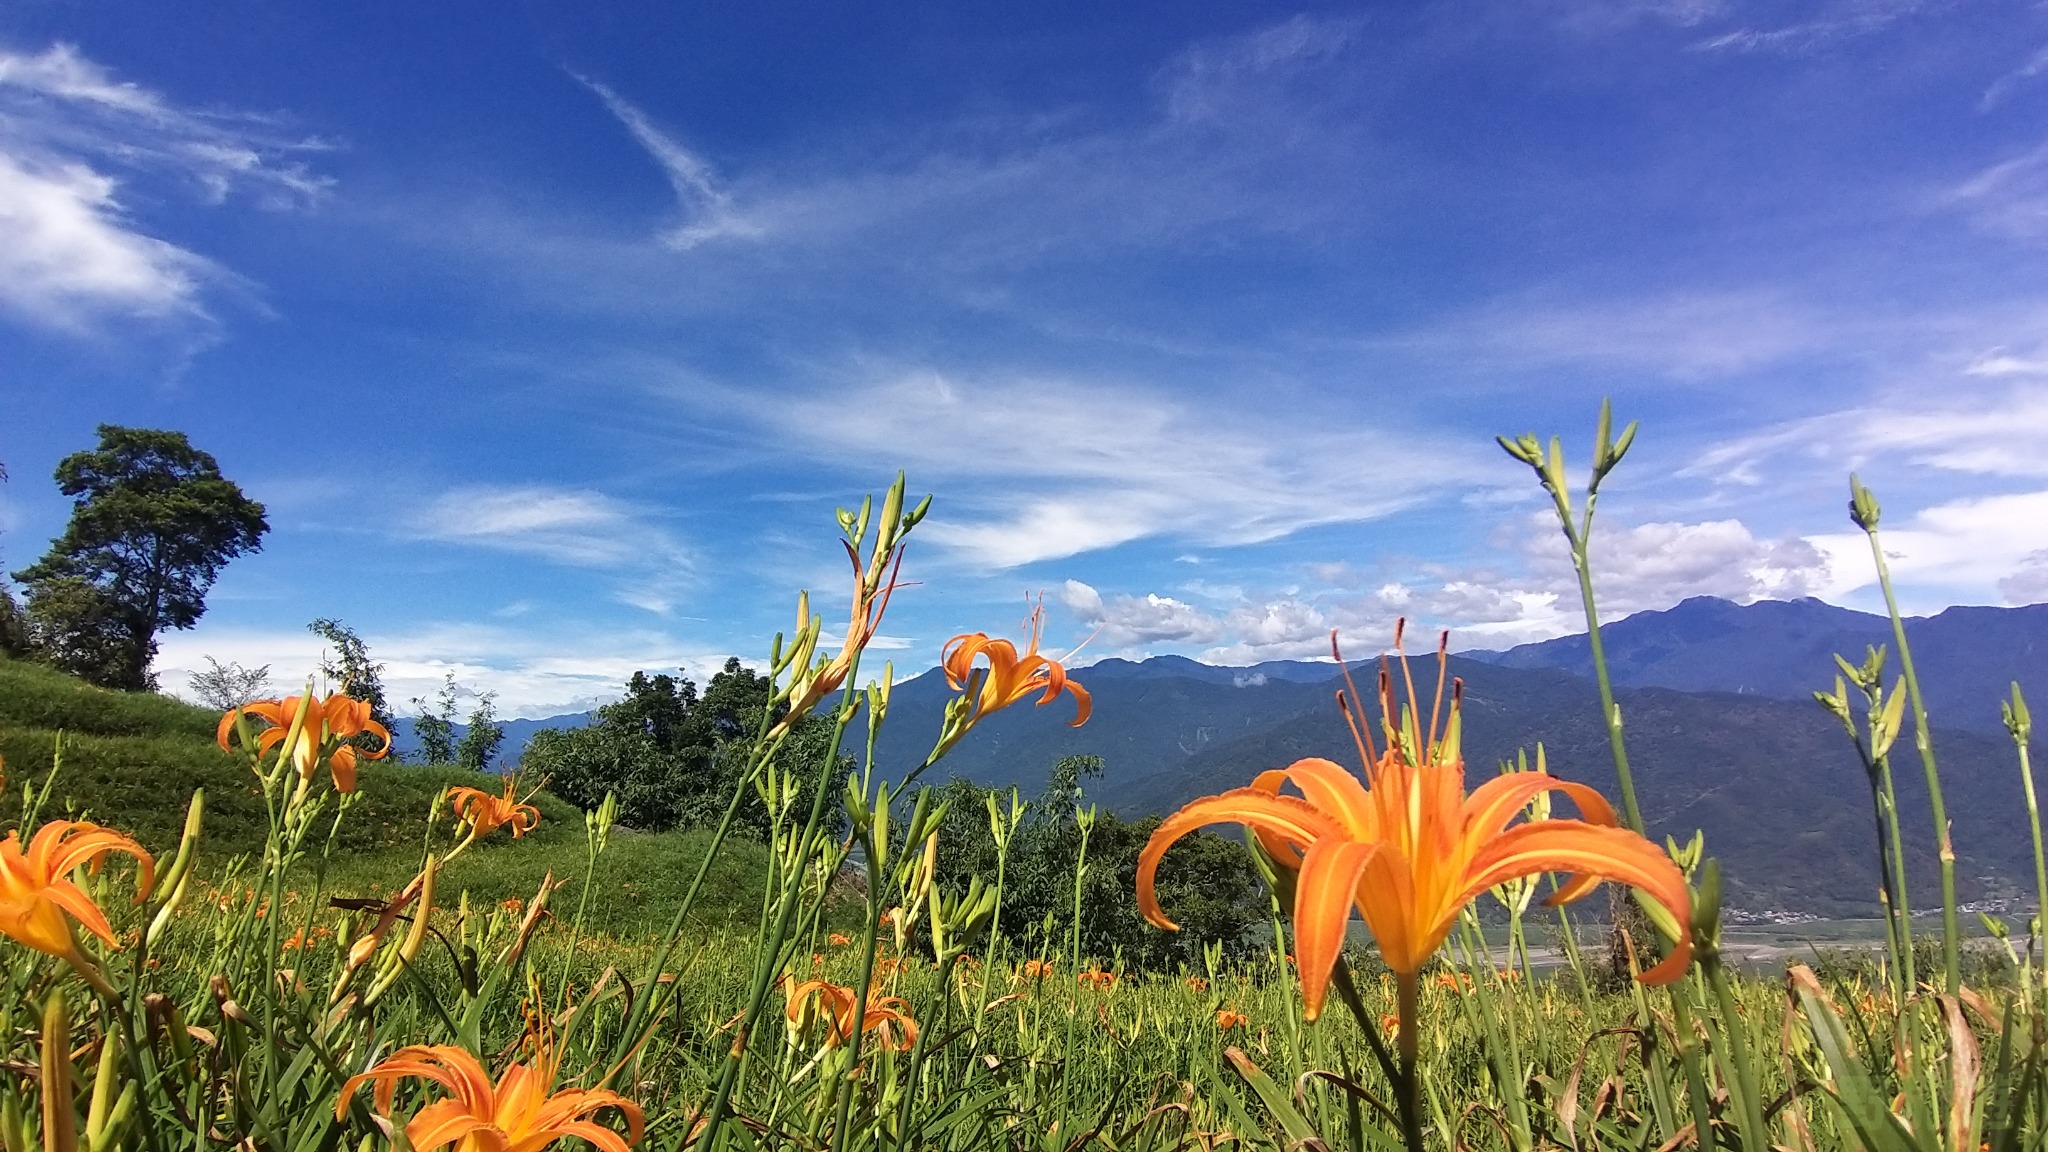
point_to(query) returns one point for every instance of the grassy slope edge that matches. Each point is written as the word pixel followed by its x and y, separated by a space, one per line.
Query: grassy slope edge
pixel 132 760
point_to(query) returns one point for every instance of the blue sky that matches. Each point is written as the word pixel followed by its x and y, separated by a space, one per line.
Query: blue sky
pixel 551 335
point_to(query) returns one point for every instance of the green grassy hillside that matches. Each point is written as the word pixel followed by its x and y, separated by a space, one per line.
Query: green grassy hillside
pixel 132 760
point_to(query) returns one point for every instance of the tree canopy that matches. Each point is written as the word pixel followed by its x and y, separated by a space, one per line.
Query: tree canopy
pixel 671 756
pixel 152 524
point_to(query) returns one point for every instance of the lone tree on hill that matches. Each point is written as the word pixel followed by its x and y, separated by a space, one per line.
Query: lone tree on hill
pixel 152 525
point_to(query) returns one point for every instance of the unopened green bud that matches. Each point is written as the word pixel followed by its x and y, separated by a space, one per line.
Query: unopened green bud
pixel 1863 506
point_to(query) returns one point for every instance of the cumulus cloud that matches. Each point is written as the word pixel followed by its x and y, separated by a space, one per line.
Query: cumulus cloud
pixel 1638 567
pixel 2028 583
pixel 70 137
pixel 1656 565
pixel 1122 623
pixel 1980 542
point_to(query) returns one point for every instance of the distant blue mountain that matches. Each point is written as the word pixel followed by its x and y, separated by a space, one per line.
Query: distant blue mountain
pixel 1723 732
pixel 1966 657
pixel 517 733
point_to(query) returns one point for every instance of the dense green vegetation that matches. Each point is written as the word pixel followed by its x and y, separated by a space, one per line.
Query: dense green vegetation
pixel 130 759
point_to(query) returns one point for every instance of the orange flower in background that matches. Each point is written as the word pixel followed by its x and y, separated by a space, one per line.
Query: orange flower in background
pixel 1227 1020
pixel 38 900
pixel 1035 970
pixel 1198 984
pixel 520 1112
pixel 888 1017
pixel 512 904
pixel 1390 1023
pixel 485 813
pixel 838 939
pixel 330 725
pixel 1453 980
pixel 1409 848
pixel 1009 677
pixel 1096 978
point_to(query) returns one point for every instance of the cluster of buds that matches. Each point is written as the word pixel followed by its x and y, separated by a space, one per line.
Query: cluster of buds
pixel 876 560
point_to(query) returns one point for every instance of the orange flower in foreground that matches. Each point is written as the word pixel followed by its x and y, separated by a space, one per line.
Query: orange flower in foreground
pixel 1009 677
pixel 888 1017
pixel 485 813
pixel 1409 849
pixel 38 901
pixel 330 725
pixel 520 1112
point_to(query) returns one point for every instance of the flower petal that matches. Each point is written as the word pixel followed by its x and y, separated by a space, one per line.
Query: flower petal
pixel 1286 817
pixel 1323 897
pixel 1591 851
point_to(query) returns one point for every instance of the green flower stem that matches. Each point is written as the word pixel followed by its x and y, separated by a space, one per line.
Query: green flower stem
pixel 1923 741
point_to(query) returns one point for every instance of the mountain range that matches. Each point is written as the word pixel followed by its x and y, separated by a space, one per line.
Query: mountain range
pixel 1724 736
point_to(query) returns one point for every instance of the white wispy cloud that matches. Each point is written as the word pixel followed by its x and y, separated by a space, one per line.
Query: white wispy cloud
pixel 1987 430
pixel 1693 334
pixel 2014 80
pixel 1836 22
pixel 2008 197
pixel 1049 468
pixel 572 527
pixel 535 672
pixel 70 136
pixel 707 209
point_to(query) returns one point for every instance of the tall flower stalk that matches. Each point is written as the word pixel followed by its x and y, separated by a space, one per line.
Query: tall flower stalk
pixel 1865 513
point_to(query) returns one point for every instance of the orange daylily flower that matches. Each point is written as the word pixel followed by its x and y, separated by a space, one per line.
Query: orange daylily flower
pixel 1035 970
pixel 1096 978
pixel 38 900
pixel 888 1017
pixel 485 813
pixel 330 725
pixel 520 1113
pixel 838 939
pixel 1227 1020
pixel 1009 677
pixel 1409 848
pixel 1198 984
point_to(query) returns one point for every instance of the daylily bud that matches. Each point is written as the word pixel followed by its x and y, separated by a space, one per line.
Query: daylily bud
pixel 2017 720
pixel 856 807
pixel 60 1123
pixel 1706 910
pixel 105 1077
pixel 1886 729
pixel 1863 507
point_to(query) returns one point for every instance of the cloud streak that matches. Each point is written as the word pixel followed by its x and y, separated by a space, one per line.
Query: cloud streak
pixel 707 209
pixel 1053 468
pixel 574 528
pixel 70 137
